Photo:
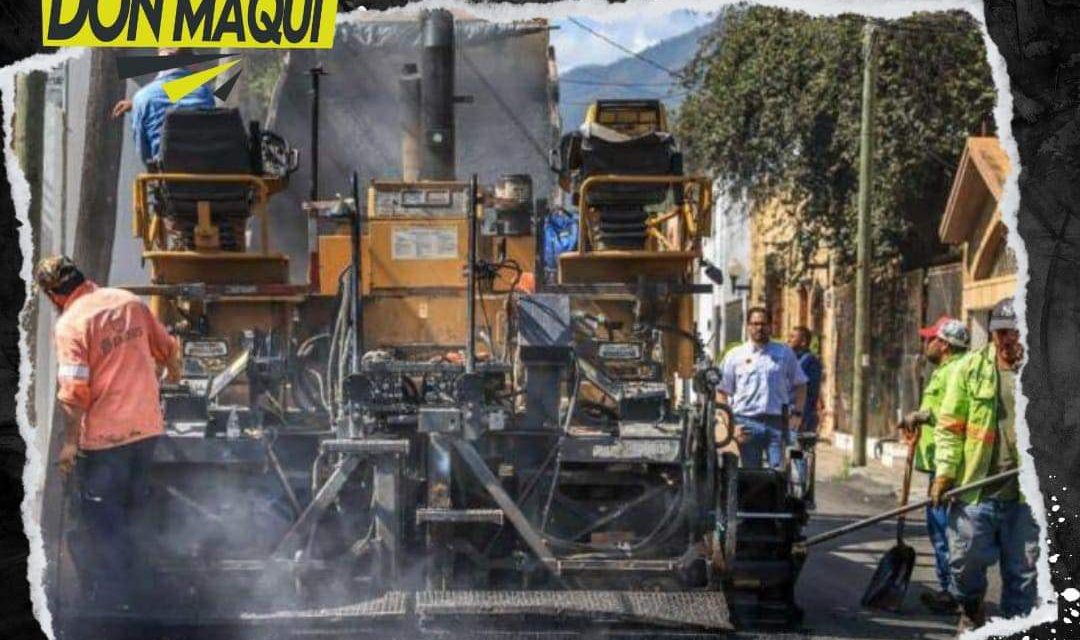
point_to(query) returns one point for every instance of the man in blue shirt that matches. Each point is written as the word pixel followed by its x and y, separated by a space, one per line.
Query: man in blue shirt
pixel 799 341
pixel 560 236
pixel 150 105
pixel 759 379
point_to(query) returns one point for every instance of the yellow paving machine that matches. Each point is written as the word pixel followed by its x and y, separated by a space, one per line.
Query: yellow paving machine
pixel 433 438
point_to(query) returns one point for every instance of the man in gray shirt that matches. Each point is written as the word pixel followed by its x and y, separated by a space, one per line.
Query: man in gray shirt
pixel 759 379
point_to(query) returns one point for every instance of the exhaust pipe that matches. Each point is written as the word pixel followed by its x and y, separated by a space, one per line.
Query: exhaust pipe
pixel 437 95
pixel 411 157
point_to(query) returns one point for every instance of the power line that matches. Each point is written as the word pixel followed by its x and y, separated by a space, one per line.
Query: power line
pixel 666 96
pixel 655 93
pixel 518 124
pixel 624 49
pixel 602 83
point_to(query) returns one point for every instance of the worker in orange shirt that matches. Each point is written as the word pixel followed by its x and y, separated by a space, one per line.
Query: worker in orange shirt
pixel 109 349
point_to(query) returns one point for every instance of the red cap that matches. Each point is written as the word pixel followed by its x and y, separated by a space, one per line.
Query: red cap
pixel 932 330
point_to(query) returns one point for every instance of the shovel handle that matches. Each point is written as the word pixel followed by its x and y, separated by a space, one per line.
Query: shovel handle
pixel 892 513
pixel 905 492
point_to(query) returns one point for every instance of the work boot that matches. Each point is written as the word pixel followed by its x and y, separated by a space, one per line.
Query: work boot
pixel 971 617
pixel 939 602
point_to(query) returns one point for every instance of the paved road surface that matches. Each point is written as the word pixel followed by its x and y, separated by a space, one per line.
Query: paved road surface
pixel 837 572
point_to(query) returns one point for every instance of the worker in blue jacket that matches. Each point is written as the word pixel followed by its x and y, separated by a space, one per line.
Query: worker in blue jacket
pixel 560 236
pixel 150 104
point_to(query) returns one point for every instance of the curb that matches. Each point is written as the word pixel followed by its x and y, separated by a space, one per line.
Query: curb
pixel 892 453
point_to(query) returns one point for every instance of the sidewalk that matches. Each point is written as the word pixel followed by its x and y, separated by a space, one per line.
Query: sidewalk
pixel 837 572
pixel 880 478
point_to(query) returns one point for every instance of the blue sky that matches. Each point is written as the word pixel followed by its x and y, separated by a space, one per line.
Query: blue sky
pixel 575 47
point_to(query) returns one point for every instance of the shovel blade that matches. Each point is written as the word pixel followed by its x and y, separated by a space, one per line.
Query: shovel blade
pixel 890 581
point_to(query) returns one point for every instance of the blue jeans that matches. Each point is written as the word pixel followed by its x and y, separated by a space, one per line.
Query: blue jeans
pixel 989 532
pixel 114 487
pixel 765 437
pixel 937 526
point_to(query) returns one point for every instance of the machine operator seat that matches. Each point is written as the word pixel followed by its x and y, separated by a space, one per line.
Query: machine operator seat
pixel 205 141
pixel 621 210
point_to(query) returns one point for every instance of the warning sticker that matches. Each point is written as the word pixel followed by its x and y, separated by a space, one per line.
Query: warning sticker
pixel 424 243
pixel 652 450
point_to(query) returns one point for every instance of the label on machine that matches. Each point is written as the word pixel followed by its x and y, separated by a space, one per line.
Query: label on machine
pixel 430 202
pixel 620 350
pixel 645 450
pixel 206 348
pixel 424 243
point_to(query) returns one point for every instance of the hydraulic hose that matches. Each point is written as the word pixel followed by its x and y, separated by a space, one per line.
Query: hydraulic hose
pixel 564 428
pixel 310 400
pixel 666 527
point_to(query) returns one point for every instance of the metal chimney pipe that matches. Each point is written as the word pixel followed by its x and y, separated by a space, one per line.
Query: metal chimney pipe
pixel 437 95
pixel 411 128
pixel 316 73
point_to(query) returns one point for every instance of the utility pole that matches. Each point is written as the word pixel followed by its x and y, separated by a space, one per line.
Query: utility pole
pixel 95 227
pixel 864 250
pixel 28 143
pixel 29 137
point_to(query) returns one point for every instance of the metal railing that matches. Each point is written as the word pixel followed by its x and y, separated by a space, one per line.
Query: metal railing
pixel 148 227
pixel 692 213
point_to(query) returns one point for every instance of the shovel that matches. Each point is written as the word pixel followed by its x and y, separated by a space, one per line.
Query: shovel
pixel 801 547
pixel 889 584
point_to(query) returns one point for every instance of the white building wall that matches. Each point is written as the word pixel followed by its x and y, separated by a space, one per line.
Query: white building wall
pixel 65 128
pixel 719 315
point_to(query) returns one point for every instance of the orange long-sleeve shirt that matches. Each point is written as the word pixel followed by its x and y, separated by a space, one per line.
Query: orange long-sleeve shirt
pixel 108 346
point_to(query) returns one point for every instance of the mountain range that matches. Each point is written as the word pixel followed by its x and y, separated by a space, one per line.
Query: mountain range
pixel 630 77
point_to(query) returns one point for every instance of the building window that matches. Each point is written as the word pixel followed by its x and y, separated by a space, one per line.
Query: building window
pixel 733 327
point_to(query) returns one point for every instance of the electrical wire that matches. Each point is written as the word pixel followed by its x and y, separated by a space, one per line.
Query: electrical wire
pixel 540 149
pixel 309 399
pixel 699 348
pixel 492 270
pixel 666 96
pixel 358 547
pixel 339 346
pixel 666 527
pixel 602 83
pixel 663 530
pixel 565 427
pixel 626 50
pixel 530 485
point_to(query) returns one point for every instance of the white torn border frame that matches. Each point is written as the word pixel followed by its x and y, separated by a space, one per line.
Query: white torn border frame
pixel 34 473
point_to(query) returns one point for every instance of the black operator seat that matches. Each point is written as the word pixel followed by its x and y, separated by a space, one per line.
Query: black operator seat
pixel 606 151
pixel 205 141
pixel 621 210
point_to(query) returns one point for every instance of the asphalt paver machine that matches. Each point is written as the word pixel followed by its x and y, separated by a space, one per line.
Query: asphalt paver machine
pixel 432 440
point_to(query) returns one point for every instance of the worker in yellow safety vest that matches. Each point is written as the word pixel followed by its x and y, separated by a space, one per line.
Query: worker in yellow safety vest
pixel 975 437
pixel 945 342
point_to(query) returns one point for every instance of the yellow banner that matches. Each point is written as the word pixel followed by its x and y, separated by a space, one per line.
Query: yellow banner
pixel 266 24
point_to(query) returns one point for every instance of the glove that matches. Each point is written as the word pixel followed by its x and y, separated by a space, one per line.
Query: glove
pixel 915 419
pixel 911 423
pixel 938 490
pixel 906 433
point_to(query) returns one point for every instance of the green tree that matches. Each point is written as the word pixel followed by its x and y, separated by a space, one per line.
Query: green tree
pixel 773 113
